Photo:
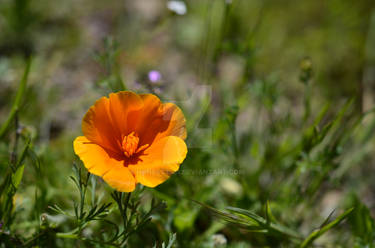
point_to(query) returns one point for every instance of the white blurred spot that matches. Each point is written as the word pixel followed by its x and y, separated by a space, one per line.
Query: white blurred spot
pixel 230 186
pixel 179 7
pixel 219 240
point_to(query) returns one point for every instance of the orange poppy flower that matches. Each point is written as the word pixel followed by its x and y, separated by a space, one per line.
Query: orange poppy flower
pixel 130 139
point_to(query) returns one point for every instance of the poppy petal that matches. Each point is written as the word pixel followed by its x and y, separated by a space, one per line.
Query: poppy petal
pixel 151 104
pixel 98 162
pixel 171 122
pixel 141 121
pixel 120 178
pixel 159 161
pixel 97 126
pixel 176 119
pixel 123 106
pixel 96 159
pixel 160 120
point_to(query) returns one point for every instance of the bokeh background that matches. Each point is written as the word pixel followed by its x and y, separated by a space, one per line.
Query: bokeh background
pixel 278 97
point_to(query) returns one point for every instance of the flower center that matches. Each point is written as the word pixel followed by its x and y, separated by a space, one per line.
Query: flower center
pixel 130 145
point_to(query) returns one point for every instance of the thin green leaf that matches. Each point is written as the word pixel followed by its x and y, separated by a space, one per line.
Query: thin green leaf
pixel 269 216
pixel 272 227
pixel 17 176
pixel 23 154
pixel 17 102
pixel 317 233
pixel 251 221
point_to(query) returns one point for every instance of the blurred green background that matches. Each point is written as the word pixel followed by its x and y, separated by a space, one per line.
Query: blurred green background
pixel 278 97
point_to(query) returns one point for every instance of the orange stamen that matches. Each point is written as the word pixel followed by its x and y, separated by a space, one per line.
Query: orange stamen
pixel 130 144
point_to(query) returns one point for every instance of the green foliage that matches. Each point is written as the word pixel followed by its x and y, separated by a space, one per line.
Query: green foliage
pixel 108 59
pixel 324 228
pixel 362 225
pixel 17 101
pixel 254 223
pixel 133 218
pixel 14 173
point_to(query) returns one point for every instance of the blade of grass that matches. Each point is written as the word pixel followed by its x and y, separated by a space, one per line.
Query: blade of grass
pixel 252 222
pixel 317 233
pixel 17 177
pixel 17 102
pixel 271 227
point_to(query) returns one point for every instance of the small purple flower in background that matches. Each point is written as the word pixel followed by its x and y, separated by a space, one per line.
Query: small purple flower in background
pixel 154 76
